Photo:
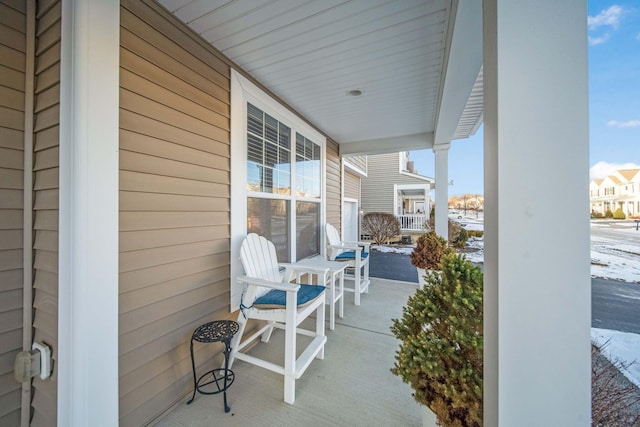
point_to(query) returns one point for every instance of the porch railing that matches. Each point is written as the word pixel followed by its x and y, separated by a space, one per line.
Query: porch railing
pixel 412 222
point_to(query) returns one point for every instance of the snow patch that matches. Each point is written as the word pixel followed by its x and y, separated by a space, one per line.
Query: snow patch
pixel 620 347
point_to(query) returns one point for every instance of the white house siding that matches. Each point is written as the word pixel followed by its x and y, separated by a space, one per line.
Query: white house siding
pixel 620 190
pixel 12 80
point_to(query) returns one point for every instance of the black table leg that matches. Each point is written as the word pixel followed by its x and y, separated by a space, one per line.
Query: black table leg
pixel 227 351
pixel 193 369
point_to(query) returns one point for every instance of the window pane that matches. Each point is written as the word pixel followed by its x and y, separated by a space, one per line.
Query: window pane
pixel 270 218
pixel 268 153
pixel 307 229
pixel 308 175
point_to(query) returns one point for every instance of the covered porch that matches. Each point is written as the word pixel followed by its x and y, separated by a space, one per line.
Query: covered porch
pixel 127 156
pixel 351 386
pixel 413 206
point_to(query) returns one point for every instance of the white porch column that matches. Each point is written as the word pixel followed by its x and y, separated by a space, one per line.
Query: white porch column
pixel 87 359
pixel 537 281
pixel 442 189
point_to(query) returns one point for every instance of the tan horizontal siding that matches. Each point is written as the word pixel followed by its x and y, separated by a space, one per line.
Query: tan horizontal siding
pixel 44 403
pixel 174 206
pixel 334 186
pixel 11 138
pixel 11 219
pixel 12 79
pixel 351 185
pixel 152 274
pixel 46 184
pixel 144 258
pixel 158 220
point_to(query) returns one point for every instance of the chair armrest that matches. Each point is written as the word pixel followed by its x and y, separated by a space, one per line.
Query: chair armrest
pixel 288 287
pixel 345 246
pixel 367 245
pixel 304 268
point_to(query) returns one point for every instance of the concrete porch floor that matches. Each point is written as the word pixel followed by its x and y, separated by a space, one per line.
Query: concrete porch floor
pixel 351 386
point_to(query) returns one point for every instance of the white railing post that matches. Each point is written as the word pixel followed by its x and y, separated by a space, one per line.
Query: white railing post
pixel 412 222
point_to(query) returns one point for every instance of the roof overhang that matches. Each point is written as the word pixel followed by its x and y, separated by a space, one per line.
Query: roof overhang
pixel 416 62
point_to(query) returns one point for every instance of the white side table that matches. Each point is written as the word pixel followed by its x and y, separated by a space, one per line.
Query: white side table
pixel 336 270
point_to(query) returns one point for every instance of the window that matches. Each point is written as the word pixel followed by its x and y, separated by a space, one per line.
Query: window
pixel 307 229
pixel 269 184
pixel 609 191
pixel 270 218
pixel 307 168
pixel 277 178
pixel 268 153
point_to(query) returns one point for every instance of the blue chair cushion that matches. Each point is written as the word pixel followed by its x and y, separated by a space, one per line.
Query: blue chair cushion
pixel 351 255
pixel 276 298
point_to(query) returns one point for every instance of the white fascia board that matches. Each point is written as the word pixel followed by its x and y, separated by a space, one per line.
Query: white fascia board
pixel 420 177
pixel 353 168
pixel 462 67
pixel 418 141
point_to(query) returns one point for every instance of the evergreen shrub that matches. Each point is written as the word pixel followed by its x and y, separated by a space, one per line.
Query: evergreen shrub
pixel 441 348
pixel 608 214
pixel 618 214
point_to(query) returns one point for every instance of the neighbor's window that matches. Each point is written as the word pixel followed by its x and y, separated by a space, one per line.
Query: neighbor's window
pixel 270 181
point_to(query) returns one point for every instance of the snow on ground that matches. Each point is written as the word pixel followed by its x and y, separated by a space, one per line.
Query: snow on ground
pixel 622 347
pixel 615 255
pixel 615 250
pixel 395 249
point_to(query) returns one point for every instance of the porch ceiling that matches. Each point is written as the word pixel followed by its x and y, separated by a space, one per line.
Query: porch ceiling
pixel 312 53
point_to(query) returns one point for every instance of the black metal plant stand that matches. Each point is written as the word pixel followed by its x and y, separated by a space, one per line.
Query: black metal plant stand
pixel 219 379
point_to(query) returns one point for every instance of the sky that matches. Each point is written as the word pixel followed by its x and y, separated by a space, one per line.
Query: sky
pixel 614 103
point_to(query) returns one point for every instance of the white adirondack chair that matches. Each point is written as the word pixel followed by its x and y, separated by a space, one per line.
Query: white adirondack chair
pixel 353 253
pixel 269 296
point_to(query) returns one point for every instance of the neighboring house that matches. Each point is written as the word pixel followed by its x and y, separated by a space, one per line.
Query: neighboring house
pixel 392 185
pixel 621 190
pixel 141 140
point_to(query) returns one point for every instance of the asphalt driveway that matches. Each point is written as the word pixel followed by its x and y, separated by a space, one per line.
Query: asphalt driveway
pixel 392 266
pixel 614 304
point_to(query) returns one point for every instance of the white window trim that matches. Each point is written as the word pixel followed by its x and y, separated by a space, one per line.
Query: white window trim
pixel 342 224
pixel 244 91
